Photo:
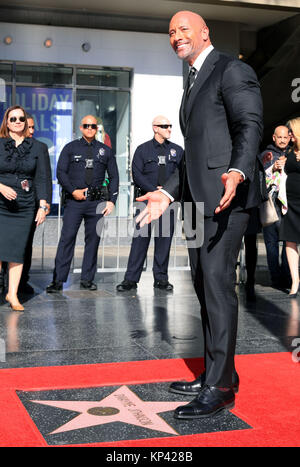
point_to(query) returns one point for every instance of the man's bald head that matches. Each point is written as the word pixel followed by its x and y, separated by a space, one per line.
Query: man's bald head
pixel 194 19
pixel 162 128
pixel 189 35
pixel 88 127
pixel 89 119
pixel 281 136
pixel 160 120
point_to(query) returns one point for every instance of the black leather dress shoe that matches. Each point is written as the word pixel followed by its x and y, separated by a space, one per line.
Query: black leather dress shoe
pixel 89 285
pixel 163 285
pixel 192 388
pixel 209 402
pixel 126 285
pixel 54 287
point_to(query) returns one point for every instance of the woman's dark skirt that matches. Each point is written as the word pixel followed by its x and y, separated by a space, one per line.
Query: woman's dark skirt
pixel 16 218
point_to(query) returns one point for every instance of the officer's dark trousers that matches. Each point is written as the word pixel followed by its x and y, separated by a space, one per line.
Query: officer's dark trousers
pixel 74 213
pixel 163 230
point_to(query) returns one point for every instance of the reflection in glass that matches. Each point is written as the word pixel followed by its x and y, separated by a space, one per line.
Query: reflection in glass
pixel 293 321
pixel 103 77
pixel 6 72
pixel 12 336
pixel 47 75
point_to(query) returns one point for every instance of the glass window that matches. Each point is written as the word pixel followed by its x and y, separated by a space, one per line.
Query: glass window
pixel 51 109
pixel 5 98
pixel 103 77
pixel 112 111
pixel 57 122
pixel 47 75
pixel 6 72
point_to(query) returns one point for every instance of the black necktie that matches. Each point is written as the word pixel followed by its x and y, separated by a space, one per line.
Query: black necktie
pixel 89 166
pixel 190 82
pixel 191 79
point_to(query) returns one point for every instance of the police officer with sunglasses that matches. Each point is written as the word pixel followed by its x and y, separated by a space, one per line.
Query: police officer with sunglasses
pixel 153 163
pixel 81 172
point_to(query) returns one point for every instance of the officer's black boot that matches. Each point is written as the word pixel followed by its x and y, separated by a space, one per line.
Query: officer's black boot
pixel 90 285
pixel 126 285
pixel 54 287
pixel 163 285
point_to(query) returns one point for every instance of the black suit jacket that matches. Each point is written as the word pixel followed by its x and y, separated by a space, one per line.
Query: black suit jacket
pixel 43 155
pixel 222 127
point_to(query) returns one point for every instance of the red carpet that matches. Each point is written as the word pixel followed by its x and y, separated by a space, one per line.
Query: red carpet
pixel 268 400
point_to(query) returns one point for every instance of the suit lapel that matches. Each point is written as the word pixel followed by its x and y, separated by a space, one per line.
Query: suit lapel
pixel 205 71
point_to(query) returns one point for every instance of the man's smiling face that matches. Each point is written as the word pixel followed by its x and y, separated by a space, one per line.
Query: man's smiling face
pixel 189 35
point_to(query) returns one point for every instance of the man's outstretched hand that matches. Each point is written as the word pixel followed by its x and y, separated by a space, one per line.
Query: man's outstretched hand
pixel 230 181
pixel 158 202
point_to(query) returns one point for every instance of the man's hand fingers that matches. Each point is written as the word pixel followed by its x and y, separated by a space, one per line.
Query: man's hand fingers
pixel 225 201
pixel 230 182
pixel 141 216
pixel 145 220
pixel 142 198
pixel 224 205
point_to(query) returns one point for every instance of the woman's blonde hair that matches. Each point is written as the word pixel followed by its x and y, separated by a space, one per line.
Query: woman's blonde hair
pixel 4 131
pixel 294 125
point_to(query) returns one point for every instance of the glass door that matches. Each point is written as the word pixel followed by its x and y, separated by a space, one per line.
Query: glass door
pixel 111 108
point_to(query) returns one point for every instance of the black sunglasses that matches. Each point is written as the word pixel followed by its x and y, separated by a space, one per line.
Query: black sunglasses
pixel 93 126
pixel 164 126
pixel 14 119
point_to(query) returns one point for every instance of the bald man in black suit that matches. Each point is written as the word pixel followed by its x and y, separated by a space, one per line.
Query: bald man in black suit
pixel 221 120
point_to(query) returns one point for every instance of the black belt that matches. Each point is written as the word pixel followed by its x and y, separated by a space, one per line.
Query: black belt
pixel 93 194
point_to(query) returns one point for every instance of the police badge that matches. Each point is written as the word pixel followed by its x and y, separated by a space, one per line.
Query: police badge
pixel 173 152
pixel 101 152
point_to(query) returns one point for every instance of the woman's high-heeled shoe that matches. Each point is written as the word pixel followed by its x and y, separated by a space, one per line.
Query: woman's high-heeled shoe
pixel 293 295
pixel 14 306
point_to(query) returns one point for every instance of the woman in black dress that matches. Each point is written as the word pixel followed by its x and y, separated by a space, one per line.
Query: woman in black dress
pixel 22 183
pixel 290 224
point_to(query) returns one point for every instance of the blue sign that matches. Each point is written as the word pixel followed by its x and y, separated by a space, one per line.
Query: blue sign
pixel 51 109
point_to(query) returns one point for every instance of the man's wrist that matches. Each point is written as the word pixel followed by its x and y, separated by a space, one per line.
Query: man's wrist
pixel 167 194
pixel 242 176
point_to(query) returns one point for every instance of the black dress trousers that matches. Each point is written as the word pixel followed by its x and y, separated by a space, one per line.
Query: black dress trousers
pixel 213 268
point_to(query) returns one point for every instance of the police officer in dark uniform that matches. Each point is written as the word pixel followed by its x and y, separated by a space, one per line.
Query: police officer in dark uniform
pixel 81 171
pixel 153 163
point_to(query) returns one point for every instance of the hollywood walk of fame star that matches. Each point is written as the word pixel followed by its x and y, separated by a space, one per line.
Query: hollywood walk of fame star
pixel 123 405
